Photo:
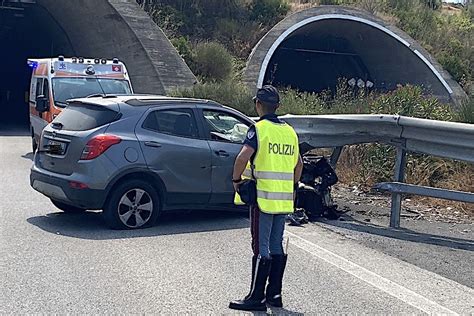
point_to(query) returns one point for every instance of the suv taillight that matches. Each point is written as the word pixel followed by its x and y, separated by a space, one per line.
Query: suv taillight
pixel 97 145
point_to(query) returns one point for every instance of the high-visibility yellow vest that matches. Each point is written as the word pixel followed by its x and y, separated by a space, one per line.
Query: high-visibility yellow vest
pixel 273 167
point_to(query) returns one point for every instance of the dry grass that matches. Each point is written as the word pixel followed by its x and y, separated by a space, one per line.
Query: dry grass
pixel 421 170
pixel 349 166
pixel 297 6
pixel 451 10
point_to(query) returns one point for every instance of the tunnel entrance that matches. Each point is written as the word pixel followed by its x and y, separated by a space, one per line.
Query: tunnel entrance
pixel 316 63
pixel 26 30
pixel 315 56
pixel 312 49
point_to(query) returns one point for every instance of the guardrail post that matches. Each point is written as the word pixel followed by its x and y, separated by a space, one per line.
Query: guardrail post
pixel 399 176
pixel 336 153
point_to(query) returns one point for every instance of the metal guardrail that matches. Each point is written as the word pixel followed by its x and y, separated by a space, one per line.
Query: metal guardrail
pixel 436 138
pixel 398 187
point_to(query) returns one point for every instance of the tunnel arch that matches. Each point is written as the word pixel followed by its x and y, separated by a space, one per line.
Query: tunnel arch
pixel 118 28
pixel 88 28
pixel 25 31
pixel 341 41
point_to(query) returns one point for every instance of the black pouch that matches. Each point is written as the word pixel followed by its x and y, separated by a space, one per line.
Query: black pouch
pixel 311 202
pixel 248 191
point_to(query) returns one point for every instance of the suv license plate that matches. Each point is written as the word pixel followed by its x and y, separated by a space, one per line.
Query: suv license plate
pixel 56 148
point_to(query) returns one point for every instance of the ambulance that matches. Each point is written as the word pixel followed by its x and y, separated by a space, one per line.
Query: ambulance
pixel 56 80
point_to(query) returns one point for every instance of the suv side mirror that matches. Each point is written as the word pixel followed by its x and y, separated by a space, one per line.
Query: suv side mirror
pixel 42 104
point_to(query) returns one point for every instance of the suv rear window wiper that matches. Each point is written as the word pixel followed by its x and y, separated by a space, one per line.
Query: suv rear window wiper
pixel 57 125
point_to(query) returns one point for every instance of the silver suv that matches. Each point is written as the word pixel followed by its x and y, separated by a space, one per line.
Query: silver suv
pixel 135 156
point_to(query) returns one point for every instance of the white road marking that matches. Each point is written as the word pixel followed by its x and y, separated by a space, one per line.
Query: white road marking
pixel 396 290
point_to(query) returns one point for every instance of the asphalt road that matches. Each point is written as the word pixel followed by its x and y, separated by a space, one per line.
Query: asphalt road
pixel 196 262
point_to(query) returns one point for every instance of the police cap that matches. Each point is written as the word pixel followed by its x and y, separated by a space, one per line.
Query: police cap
pixel 267 94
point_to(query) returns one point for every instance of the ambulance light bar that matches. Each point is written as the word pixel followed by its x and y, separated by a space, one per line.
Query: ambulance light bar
pixel 90 70
pixel 33 64
pixel 81 60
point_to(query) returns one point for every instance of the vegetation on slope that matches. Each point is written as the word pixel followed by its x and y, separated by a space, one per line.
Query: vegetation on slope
pixel 216 36
pixel 239 24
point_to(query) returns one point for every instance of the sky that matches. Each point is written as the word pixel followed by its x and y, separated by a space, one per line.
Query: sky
pixel 455 1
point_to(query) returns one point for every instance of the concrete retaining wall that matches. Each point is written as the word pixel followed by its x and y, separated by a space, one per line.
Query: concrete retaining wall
pixel 120 28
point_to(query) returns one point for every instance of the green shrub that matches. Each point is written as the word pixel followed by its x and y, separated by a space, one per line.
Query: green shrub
pixel 183 47
pixel 373 6
pixel 229 92
pixel 268 12
pixel 169 19
pixel 212 61
pixel 377 164
pixel 449 37
pixel 432 4
pixel 416 19
pixel 331 2
pixel 455 65
pixel 410 101
pixel 239 36
pixel 466 112
pixel 470 13
pixel 239 24
pixel 300 103
pixel 406 100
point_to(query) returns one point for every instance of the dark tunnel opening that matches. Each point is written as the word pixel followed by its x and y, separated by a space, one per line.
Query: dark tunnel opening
pixel 317 55
pixel 26 31
pixel 314 69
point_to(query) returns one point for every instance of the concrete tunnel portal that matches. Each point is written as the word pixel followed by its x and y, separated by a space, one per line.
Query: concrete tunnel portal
pixel 309 50
pixel 87 28
pixel 312 49
pixel 42 37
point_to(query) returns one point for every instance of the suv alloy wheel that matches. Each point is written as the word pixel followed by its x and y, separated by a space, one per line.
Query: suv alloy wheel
pixel 132 204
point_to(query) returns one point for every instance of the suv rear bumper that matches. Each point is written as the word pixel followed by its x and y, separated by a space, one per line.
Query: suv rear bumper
pixel 59 189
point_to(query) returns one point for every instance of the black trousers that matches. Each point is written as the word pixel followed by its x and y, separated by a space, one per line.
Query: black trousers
pixel 267 232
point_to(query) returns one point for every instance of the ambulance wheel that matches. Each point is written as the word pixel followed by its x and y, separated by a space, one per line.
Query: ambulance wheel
pixel 34 144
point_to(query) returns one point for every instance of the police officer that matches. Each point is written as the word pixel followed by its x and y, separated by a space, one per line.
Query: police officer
pixel 270 155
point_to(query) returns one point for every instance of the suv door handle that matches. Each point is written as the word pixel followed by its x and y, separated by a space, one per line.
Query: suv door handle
pixel 222 153
pixel 152 144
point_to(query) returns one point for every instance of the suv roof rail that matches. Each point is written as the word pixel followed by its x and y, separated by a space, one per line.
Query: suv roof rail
pixel 151 101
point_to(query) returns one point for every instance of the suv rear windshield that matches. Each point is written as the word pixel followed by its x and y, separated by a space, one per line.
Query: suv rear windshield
pixel 82 117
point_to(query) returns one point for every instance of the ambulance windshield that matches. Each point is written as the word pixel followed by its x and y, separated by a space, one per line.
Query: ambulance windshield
pixel 71 88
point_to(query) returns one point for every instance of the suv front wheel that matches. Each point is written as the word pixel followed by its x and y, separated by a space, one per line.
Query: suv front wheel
pixel 132 204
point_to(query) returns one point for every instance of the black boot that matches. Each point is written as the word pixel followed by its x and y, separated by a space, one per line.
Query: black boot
pixel 275 278
pixel 255 301
pixel 254 263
